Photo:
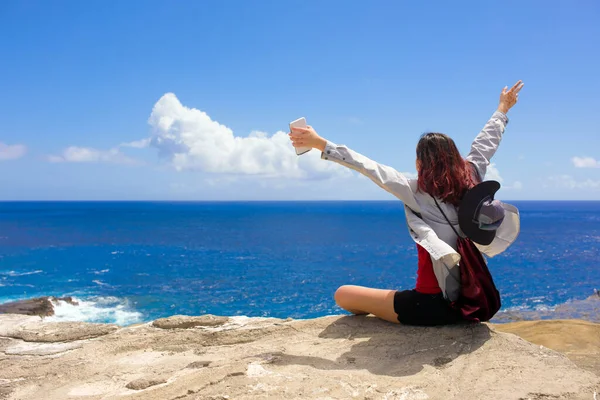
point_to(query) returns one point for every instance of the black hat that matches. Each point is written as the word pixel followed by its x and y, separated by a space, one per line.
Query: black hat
pixel 479 215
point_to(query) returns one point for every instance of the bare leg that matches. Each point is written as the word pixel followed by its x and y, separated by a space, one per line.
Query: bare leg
pixel 364 300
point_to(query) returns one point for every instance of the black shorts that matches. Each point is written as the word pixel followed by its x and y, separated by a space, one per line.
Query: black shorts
pixel 414 308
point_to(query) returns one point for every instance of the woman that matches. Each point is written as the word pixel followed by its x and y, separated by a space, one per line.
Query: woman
pixel 431 203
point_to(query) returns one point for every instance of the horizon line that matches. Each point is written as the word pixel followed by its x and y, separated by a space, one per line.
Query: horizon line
pixel 251 201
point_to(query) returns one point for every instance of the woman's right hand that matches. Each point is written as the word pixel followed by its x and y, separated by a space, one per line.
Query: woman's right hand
pixel 307 137
pixel 508 98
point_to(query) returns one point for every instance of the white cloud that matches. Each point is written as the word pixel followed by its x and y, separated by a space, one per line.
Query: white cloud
pixel 138 144
pixel 493 174
pixel 517 185
pixel 221 180
pixel 11 152
pixel 568 182
pixel 75 154
pixel 190 139
pixel 585 162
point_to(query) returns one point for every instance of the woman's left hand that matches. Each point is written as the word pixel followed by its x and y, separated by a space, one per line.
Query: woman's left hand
pixel 307 137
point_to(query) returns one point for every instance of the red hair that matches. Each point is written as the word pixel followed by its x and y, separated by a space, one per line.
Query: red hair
pixel 443 173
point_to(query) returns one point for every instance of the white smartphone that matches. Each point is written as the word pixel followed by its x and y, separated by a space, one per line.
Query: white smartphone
pixel 300 123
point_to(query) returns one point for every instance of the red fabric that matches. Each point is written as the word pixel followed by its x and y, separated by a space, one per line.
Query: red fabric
pixel 426 281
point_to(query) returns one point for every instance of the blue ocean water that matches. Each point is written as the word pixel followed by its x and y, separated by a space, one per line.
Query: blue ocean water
pixel 135 261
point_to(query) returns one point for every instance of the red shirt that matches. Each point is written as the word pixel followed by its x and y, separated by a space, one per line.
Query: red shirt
pixel 426 281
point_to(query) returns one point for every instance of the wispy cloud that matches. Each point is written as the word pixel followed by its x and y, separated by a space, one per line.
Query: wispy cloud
pixel 12 152
pixel 138 144
pixel 516 185
pixel 568 182
pixel 75 154
pixel 585 162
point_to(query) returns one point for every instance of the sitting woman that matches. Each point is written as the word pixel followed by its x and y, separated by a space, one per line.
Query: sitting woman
pixel 431 202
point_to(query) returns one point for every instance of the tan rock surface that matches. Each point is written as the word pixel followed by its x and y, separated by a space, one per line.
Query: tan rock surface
pixel 323 358
pixel 34 329
pixel 578 340
pixel 144 383
pixel 185 322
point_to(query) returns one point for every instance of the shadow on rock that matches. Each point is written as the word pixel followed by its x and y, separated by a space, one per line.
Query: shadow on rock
pixel 394 350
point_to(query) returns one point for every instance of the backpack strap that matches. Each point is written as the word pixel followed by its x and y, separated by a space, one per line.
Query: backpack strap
pixel 444 214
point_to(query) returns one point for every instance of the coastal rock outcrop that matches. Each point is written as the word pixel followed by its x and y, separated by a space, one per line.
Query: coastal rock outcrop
pixel 337 357
pixel 40 306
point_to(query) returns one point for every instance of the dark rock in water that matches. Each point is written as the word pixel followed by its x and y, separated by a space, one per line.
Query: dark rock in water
pixel 41 306
pixel 66 299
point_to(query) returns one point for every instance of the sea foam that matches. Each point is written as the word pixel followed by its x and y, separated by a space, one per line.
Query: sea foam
pixel 98 309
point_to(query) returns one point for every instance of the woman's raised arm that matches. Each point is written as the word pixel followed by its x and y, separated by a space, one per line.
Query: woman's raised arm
pixel 486 143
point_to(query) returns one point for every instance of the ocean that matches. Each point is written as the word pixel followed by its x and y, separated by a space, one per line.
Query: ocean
pixel 130 262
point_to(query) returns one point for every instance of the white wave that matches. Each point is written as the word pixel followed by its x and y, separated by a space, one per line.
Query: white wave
pixel 100 310
pixel 15 273
pixel 98 282
pixel 544 307
pixel 529 308
pixel 101 272
pixel 107 300
pixel 17 285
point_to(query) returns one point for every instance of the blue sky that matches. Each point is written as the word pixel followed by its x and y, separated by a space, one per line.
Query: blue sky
pixel 183 100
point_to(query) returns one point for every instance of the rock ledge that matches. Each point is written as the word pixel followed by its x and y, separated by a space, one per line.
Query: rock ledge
pixel 345 357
